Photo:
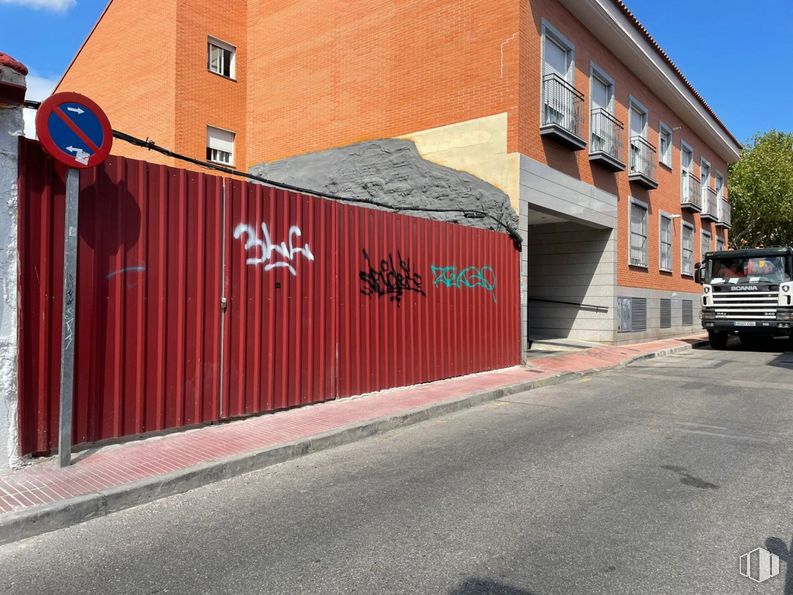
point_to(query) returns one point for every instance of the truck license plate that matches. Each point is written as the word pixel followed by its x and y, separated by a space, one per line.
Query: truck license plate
pixel 742 323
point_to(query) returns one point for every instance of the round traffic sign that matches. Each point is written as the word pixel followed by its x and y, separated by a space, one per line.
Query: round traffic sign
pixel 74 130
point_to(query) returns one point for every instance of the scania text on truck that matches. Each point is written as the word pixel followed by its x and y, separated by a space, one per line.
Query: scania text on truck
pixel 746 292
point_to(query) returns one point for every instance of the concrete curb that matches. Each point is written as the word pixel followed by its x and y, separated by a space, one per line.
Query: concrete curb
pixel 50 517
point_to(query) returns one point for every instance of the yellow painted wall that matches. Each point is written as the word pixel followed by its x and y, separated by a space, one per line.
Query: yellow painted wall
pixel 478 147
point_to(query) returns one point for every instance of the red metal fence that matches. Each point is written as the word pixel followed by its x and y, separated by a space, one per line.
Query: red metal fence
pixel 202 298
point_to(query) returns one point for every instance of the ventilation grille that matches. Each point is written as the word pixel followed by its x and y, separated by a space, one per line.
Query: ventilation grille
pixel 639 321
pixel 632 314
pixel 666 313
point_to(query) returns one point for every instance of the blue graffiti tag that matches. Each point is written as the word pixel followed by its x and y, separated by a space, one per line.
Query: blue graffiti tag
pixel 449 276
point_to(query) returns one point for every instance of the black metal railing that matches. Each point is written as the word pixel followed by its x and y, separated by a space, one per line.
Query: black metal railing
pixel 606 132
pixel 725 213
pixel 561 104
pixel 690 193
pixel 710 203
pixel 643 157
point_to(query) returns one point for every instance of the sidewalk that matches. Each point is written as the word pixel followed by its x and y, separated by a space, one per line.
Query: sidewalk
pixel 43 497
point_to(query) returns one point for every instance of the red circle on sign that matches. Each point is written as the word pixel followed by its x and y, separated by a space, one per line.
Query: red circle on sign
pixel 53 104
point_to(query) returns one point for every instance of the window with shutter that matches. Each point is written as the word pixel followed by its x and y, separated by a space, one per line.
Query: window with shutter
pixel 220 146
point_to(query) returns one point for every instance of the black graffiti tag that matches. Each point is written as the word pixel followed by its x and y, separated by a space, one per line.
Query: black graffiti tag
pixel 390 277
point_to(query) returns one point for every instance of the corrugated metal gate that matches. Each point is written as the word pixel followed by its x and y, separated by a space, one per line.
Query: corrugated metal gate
pixel 321 299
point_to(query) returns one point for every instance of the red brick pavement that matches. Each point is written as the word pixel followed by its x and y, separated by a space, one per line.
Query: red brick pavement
pixel 117 465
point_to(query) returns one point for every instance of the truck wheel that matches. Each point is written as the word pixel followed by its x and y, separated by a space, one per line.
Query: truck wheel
pixel 717 339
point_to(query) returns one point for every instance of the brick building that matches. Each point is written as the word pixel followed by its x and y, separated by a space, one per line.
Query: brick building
pixel 614 163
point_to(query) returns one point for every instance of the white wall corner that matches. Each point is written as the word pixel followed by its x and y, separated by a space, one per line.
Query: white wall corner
pixel 11 128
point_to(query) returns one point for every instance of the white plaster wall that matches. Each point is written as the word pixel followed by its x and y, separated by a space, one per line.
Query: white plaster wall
pixel 11 128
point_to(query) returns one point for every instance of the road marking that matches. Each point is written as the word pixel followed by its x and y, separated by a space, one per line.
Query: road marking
pixel 696 425
pixel 738 437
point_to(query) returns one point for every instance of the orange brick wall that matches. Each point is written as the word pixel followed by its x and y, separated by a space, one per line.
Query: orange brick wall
pixel 313 75
pixel 127 66
pixel 203 97
pixel 326 74
pixel 666 197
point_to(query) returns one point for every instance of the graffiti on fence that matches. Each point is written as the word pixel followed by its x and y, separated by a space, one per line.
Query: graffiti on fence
pixel 449 276
pixel 273 255
pixel 389 277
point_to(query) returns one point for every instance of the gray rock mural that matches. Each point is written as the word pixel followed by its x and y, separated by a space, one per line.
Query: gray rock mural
pixel 391 171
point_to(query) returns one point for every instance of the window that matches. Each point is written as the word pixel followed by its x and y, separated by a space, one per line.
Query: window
pixel 559 97
pixel 220 146
pixel 719 243
pixel 638 115
pixel 666 242
pixel 221 58
pixel 705 247
pixel 688 249
pixel 602 91
pixel 638 252
pixel 604 129
pixel 749 269
pixel 665 144
pixel 638 131
pixel 686 171
pixel 704 180
pixel 719 183
pixel 557 54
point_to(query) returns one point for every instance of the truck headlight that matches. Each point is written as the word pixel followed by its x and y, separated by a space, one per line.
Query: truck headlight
pixel 708 315
pixel 784 315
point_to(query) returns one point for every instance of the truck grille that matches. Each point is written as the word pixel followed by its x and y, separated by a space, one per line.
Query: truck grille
pixel 751 305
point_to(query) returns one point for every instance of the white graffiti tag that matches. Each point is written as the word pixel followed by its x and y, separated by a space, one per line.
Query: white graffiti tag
pixel 273 255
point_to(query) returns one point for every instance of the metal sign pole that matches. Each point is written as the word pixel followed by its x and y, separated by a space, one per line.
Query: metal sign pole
pixel 68 322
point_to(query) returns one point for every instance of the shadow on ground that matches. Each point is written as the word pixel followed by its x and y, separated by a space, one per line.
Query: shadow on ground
pixel 781 345
pixel 690 480
pixel 485 586
pixel 777 546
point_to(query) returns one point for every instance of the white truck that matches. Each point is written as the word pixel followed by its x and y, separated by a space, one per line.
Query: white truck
pixel 748 293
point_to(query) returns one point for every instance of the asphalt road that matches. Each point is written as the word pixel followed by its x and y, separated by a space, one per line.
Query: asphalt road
pixel 651 479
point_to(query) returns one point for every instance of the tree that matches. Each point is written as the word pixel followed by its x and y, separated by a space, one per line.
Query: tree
pixel 761 192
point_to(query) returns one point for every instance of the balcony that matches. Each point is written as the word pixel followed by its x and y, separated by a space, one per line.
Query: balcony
pixel 643 158
pixel 710 205
pixel 561 114
pixel 605 143
pixel 725 214
pixel 690 192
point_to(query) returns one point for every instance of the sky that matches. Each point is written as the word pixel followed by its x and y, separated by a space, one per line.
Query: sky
pixel 737 53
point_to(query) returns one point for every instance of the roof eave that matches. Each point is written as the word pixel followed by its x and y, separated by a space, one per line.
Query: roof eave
pixel 623 34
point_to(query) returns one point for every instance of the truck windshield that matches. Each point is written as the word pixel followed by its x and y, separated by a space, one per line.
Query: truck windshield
pixel 759 269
